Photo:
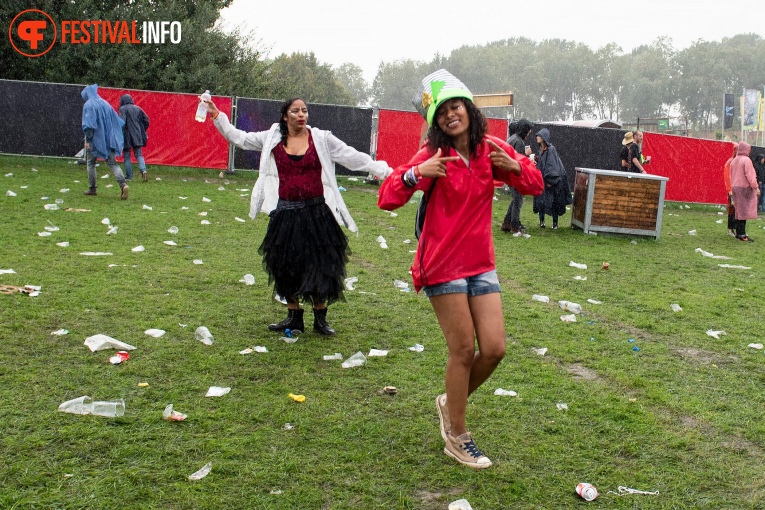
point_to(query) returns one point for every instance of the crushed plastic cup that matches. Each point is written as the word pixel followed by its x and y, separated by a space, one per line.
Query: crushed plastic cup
pixel 499 392
pixel 350 281
pixel 400 285
pixel 570 306
pixel 106 221
pixel 63 244
pixel 217 391
pixel 561 406
pixel 540 298
pixel 715 334
pixel 198 262
pixel 356 360
pixel 138 249
pixel 541 351
pixel 119 357
pixel 594 302
pixel 170 415
pixel 330 357
pixel 377 352
pixel 289 339
pixel 147 207
pixel 577 265
pixel 155 333
pixel 248 279
pixel 60 332
pixel 203 335
pixel 173 230
pixel 112 230
pixel 460 504
pixel 79 405
pixel 568 318
pixel 51 207
pixel 380 239
pixel 755 346
pixel 198 475
pixel 100 342
pixel 587 491
pixel 417 348
pixel 170 243
pixel 10 193
pixel 675 307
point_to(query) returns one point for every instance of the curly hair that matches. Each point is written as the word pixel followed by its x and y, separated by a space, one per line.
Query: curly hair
pixel 283 123
pixel 477 129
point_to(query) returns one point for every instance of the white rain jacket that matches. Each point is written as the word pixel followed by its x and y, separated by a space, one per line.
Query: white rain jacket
pixel 330 149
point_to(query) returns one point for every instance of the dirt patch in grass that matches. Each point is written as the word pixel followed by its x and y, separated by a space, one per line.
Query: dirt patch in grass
pixel 698 355
pixel 436 500
pixel 582 373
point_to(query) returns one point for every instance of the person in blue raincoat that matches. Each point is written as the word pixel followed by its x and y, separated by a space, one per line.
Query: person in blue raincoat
pixel 102 128
pixel 557 193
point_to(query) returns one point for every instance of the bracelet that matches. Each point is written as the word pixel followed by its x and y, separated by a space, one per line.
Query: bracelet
pixel 417 173
pixel 215 115
pixel 409 179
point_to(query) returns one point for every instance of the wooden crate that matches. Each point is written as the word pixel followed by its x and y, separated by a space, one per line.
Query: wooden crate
pixel 618 202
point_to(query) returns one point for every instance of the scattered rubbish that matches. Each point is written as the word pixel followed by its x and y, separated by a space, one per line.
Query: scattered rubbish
pixel 143 385
pixel 707 254
pixel 51 207
pixel 755 346
pixel 9 175
pixel 626 490
pixel 402 286
pixel 44 234
pixel 341 188
pixel 170 243
pixel 112 230
pixel 633 242
pixel 203 335
pixel 205 222
pixel 570 306
pixel 581 278
pixel 605 266
pixel 95 253
pixel 198 475
pixel 350 281
pixel 568 318
pixel 505 393
pixel 576 265
pixel 541 351
pixel 198 262
pixel 330 357
pixel 248 350
pixel 587 491
pixel 381 239
pixel 595 302
pixel 286 426
pixel 393 215
pixel 119 357
pixel 217 391
pixel 276 492
pixel 390 390
pixel 715 334
pixel 106 221
pixel 63 244
pixel 260 348
pixel 147 207
pixel 170 415
pixel 297 398
pixel 540 298
pixel 460 504
pixel 156 333
pixel 51 227
pixel 280 299
pixel 417 348
pixel 289 339
pixel 562 406
pixel 734 267
pixel 60 332
pixel 240 220
pixel 203 213
pixel 407 241
pixel 101 342
pixel 105 176
pixel 675 307
pixel 377 352
pixel 84 405
pixel 356 360
pixel 636 348
pixel 138 249
pixel 205 199
pixel 173 230
pixel 248 279
pixel 691 232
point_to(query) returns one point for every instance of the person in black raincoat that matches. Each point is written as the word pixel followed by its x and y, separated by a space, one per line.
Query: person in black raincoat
pixel 557 193
pixel 134 132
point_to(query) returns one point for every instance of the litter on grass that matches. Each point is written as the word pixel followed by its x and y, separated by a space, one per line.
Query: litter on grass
pixel 60 332
pixel 155 333
pixel 138 249
pixel 101 342
pixel 170 415
pixel 707 254
pixel 377 352
pixel 248 279
pixel 570 306
pixel 297 398
pixel 541 351
pixel 594 302
pixel 734 267
pixel 63 244
pixel 330 357
pixel 755 346
pixel 568 318
pixel 240 220
pixel 204 222
pixel 350 281
pixel 217 391
pixel 675 307
pixel 198 475
pixel 112 230
pixel 401 285
pixel 198 262
pixel 417 348
pixel 626 490
pixel 577 265
pixel 499 392
pixel 691 232
pixel 540 298
pixel 205 199
pixel 460 504
pixel 95 253
pixel 170 243
pixel 562 406
pixel 106 221
pixel 44 234
pixel 147 207
pixel 356 360
pixel 10 193
pixel 580 278
pixel 715 334
pixel 173 230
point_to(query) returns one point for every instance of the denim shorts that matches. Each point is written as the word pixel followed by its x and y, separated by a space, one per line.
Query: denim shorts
pixel 478 285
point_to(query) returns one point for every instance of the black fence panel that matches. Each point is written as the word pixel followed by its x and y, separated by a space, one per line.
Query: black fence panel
pixel 42 119
pixel 350 124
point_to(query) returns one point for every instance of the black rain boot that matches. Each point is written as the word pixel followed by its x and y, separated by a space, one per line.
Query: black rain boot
pixel 294 322
pixel 320 324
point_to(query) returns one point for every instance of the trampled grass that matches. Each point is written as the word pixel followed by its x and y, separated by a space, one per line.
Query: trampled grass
pixel 681 415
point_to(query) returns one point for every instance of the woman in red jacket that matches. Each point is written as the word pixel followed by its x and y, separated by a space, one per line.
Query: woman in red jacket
pixel 454 262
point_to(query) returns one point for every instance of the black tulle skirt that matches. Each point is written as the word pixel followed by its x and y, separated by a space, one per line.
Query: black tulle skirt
pixel 305 252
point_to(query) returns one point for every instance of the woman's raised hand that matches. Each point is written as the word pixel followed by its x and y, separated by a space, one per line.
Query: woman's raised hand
pixel 502 160
pixel 211 108
pixel 436 165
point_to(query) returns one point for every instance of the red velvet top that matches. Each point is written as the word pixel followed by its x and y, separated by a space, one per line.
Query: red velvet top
pixel 299 180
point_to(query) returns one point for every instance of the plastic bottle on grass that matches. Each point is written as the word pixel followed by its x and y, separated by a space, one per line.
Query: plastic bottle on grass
pixel 201 115
pixel 203 335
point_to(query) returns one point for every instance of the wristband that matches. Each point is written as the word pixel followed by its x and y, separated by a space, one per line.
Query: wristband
pixel 417 174
pixel 215 115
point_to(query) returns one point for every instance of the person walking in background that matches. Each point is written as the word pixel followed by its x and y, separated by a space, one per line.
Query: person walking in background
pixel 726 180
pixel 630 154
pixel 517 141
pixel 103 137
pixel 454 263
pixel 557 194
pixel 304 250
pixel 759 170
pixel 746 191
pixel 134 133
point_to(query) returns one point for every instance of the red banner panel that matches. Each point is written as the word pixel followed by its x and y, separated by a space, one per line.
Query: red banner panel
pixel 175 138
pixel 694 166
pixel 399 134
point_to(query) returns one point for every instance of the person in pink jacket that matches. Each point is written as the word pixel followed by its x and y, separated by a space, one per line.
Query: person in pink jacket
pixel 743 184
pixel 454 262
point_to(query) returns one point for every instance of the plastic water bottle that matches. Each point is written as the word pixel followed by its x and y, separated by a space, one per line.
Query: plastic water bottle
pixel 201 115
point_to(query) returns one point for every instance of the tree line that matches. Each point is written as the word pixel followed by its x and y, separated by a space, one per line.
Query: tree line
pixel 551 80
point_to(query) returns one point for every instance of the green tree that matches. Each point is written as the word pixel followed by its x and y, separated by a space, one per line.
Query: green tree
pixel 396 83
pixel 301 75
pixel 351 77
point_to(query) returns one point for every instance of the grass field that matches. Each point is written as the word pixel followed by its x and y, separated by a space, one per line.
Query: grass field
pixel 682 415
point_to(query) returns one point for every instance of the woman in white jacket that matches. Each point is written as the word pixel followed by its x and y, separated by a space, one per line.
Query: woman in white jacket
pixel 304 250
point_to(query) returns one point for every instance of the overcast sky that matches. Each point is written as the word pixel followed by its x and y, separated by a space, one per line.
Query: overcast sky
pixel 366 32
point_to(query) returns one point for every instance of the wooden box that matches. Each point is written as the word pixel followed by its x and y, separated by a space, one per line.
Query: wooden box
pixel 618 202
